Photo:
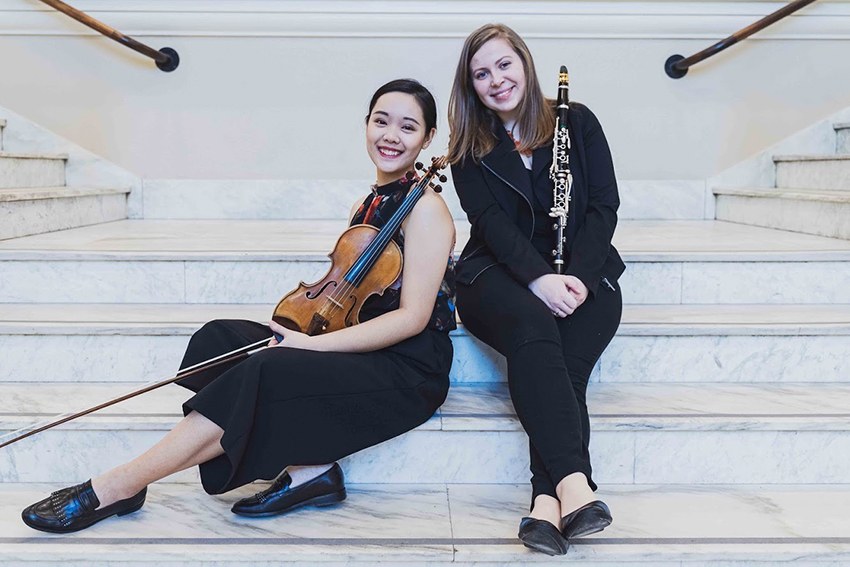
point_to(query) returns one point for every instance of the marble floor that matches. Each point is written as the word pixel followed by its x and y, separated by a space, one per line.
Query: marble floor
pixel 443 524
pixel 644 240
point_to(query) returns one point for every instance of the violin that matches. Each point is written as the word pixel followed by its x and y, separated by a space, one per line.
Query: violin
pixel 365 261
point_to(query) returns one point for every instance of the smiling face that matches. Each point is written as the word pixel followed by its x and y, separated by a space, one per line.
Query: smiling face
pixel 498 77
pixel 395 134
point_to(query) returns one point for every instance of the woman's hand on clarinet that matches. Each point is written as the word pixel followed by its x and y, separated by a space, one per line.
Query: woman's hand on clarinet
pixel 554 291
pixel 291 339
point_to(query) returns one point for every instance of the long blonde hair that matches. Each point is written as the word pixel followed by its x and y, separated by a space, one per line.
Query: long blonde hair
pixel 471 123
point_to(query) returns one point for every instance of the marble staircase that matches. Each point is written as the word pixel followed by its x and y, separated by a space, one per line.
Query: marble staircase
pixel 812 194
pixel 720 428
pixel 35 198
pixel 724 394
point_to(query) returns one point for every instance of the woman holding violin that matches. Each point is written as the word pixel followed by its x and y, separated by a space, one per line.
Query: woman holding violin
pixel 550 317
pixel 310 399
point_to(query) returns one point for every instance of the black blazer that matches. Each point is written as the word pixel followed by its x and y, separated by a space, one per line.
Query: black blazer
pixel 497 193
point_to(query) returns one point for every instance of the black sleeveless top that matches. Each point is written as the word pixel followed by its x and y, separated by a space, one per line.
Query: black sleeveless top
pixel 378 207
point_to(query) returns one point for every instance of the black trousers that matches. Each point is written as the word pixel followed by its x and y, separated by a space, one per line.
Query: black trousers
pixel 549 363
pixel 288 406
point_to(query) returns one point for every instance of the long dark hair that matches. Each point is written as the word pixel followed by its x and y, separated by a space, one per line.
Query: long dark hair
pixel 414 88
pixel 471 123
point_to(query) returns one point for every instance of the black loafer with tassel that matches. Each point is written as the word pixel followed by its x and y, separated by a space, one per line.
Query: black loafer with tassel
pixel 75 508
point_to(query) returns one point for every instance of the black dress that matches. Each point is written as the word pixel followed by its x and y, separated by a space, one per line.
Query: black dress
pixel 285 406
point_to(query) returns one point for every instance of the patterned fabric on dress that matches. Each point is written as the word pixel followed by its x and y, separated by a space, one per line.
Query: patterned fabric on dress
pixel 378 207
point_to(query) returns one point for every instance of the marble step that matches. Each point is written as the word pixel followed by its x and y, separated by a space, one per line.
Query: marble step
pixel 47 209
pixel 209 261
pixel 820 172
pixel 332 199
pixel 812 211
pixel 642 434
pixel 842 134
pixel 655 343
pixel 448 524
pixel 31 170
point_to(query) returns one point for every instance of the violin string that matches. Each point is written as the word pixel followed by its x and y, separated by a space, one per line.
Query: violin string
pixel 373 251
pixel 379 248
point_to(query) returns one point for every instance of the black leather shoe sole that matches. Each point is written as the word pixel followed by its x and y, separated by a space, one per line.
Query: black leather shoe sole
pixel 120 508
pixel 589 519
pixel 542 536
pixel 318 501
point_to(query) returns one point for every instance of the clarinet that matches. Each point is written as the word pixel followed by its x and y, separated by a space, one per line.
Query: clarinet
pixel 560 170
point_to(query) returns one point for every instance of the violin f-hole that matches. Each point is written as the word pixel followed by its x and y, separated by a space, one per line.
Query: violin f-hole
pixel 351 318
pixel 311 295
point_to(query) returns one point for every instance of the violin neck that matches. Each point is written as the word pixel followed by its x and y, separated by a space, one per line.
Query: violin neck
pixel 369 256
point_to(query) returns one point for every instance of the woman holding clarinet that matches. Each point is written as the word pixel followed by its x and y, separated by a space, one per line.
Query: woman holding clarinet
pixel 546 298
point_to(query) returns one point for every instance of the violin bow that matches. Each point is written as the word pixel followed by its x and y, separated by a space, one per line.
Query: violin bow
pixel 225 358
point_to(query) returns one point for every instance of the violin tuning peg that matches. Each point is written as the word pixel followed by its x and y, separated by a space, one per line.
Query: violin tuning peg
pixel 409 175
pixel 443 179
pixel 418 165
pixel 438 188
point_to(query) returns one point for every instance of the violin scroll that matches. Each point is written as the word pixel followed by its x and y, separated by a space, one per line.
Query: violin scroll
pixel 437 163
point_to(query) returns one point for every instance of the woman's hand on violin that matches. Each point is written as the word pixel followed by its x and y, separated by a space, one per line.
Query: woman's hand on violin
pixel 554 291
pixel 291 339
pixel 576 288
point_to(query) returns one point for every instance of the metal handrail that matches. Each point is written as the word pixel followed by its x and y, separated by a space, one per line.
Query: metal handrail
pixel 677 66
pixel 166 58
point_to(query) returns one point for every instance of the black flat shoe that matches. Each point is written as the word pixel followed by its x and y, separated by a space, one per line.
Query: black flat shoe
pixel 542 536
pixel 589 519
pixel 75 508
pixel 326 489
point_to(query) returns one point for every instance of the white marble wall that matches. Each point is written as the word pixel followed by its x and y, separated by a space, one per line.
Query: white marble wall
pixel 662 199
pixel 261 198
pixel 332 198
pixel 842 144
